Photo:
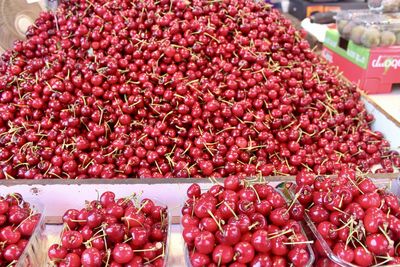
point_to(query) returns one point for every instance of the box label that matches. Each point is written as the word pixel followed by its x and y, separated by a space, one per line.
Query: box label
pixel 386 62
pixel 356 54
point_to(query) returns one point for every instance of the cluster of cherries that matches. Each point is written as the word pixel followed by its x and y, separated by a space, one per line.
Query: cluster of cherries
pixel 176 88
pixel 355 221
pixel 243 223
pixel 114 233
pixel 18 221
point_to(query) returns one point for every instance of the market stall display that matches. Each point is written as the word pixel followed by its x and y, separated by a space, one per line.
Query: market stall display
pixel 375 70
pixel 21 229
pixel 227 94
pixel 244 222
pixel 110 231
pixel 369 29
pixel 354 222
pixel 206 89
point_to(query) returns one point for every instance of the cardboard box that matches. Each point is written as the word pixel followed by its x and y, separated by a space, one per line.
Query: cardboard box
pixel 375 70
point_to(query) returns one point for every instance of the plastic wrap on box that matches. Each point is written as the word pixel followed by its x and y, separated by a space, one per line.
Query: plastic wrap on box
pixel 50 239
pixel 384 5
pixel 369 29
pixel 33 255
pixel 309 248
pixel 392 186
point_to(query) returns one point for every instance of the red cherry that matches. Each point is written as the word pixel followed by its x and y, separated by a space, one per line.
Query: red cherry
pixel 327 230
pixel 297 212
pixel 136 261
pixel 69 217
pixel 304 178
pixel 71 239
pixel 208 224
pixel 363 257
pixel 299 256
pixel 232 183
pixel 276 200
pixel 91 257
pixel 318 214
pixel 242 221
pixel 373 219
pixel 278 246
pixel 4 206
pixel 150 250
pixel 229 235
pixel 244 252
pixel 367 186
pixel 12 253
pixel 57 252
pixel 279 216
pixel 262 260
pixel 189 234
pixel 194 191
pixel 9 235
pixel 222 254
pixel 377 244
pixel 115 232
pixel 199 260
pixel 354 210
pixel 279 261
pixel 72 260
pixel 188 220
pixel 204 207
pixel 263 207
pixel 204 242
pixel 369 200
pixel 122 253
pixel 27 227
pixel 343 252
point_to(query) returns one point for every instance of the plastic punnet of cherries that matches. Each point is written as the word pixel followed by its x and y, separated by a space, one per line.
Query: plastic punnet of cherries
pixel 356 223
pixel 113 232
pixel 176 88
pixel 243 223
pixel 18 221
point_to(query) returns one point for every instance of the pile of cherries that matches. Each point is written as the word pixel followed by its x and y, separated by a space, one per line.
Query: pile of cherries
pixel 176 88
pixel 243 223
pixel 18 221
pixel 113 232
pixel 356 221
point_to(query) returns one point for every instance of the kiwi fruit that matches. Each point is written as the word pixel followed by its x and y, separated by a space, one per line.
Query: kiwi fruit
pixel 397 38
pixel 340 25
pixel 356 33
pixel 388 38
pixel 347 29
pixel 371 38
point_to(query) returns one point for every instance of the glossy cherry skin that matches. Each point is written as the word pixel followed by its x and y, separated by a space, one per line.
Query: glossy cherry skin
pixel 261 241
pixel 222 254
pixel 122 253
pixel 244 251
pixel 204 242
pixel 91 257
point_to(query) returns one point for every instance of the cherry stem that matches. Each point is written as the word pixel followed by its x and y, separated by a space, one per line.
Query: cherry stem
pixel 233 212
pixel 274 235
pixel 296 196
pixel 216 221
pixel 391 242
pixel 108 257
pixel 253 225
pixel 298 242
